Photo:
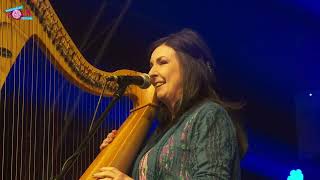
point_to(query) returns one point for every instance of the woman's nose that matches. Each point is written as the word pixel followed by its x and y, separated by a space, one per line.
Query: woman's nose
pixel 153 74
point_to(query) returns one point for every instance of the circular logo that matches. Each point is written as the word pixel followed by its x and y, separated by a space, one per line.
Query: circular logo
pixel 16 14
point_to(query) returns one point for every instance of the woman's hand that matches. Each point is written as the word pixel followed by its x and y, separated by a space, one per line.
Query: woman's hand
pixel 107 173
pixel 109 139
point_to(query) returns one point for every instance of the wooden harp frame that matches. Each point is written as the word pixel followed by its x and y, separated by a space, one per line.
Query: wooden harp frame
pixel 47 29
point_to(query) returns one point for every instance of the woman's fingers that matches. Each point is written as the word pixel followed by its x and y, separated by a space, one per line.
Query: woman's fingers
pixel 114 131
pixel 103 145
pixel 112 134
pixel 109 139
pixel 110 173
pixel 104 173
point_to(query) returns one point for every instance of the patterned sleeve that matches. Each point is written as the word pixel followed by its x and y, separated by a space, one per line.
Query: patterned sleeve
pixel 213 145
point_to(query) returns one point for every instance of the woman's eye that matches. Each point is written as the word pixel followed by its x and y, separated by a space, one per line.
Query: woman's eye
pixel 163 62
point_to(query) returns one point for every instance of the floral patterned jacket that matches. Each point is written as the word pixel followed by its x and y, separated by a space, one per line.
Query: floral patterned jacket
pixel 201 145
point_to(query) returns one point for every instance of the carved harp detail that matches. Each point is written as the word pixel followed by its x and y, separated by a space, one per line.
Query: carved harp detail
pixel 22 138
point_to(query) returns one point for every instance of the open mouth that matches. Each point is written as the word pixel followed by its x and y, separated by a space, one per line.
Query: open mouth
pixel 159 84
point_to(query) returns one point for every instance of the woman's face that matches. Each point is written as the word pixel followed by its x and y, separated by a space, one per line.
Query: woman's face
pixel 166 75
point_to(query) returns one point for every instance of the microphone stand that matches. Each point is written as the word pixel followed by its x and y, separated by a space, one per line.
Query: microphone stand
pixel 71 160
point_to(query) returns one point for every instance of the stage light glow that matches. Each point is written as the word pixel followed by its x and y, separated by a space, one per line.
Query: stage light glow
pixel 295 175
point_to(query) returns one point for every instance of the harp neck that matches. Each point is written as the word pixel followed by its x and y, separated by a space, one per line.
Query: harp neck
pixel 47 30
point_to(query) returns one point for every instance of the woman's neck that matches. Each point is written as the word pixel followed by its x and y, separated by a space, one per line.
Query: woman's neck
pixel 173 108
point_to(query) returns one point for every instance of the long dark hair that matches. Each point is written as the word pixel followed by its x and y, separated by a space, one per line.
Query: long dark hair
pixel 198 79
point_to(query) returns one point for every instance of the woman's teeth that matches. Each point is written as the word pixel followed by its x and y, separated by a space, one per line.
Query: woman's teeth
pixel 158 84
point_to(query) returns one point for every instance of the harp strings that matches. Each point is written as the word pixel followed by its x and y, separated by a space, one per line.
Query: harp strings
pixel 14 117
pixel 45 117
pixel 23 120
pixel 3 100
pixel 35 117
pixel 43 120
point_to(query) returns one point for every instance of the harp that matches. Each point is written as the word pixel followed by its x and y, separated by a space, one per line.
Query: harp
pixel 48 95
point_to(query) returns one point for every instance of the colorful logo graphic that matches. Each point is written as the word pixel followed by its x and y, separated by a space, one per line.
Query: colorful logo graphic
pixel 17 13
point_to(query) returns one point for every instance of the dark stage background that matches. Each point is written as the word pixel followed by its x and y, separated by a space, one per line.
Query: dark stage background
pixel 266 52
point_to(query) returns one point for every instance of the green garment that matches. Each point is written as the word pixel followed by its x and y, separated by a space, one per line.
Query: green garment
pixel 201 145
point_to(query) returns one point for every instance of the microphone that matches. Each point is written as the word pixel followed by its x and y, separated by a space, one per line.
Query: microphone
pixel 143 80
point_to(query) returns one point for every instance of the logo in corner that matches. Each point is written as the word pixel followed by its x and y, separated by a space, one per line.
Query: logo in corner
pixel 17 13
